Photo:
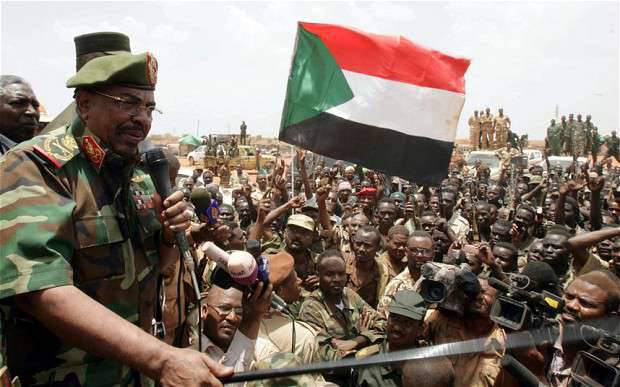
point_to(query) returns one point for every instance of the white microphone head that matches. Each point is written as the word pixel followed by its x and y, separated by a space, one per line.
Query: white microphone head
pixel 216 254
pixel 242 267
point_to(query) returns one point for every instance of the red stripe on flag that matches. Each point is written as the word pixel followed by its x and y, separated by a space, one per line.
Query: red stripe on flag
pixel 391 57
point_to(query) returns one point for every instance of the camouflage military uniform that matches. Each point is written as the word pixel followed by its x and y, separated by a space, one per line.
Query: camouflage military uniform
pixel 567 135
pixel 371 289
pixel 474 132
pixel 73 213
pixel 554 139
pixel 403 281
pixel 580 139
pixel 501 131
pixel 613 146
pixel 342 324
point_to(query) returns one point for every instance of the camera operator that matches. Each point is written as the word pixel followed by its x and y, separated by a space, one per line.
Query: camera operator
pixel 589 297
pixel 476 369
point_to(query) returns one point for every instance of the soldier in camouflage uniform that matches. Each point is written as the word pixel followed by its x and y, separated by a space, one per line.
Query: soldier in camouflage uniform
pixel 474 130
pixel 572 129
pixel 83 242
pixel 346 323
pixel 487 130
pixel 613 146
pixel 501 126
pixel 554 139
pixel 580 137
pixel 567 137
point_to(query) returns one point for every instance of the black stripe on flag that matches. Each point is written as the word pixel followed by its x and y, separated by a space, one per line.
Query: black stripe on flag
pixel 418 159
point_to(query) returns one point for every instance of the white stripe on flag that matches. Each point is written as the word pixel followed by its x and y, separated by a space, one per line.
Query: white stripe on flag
pixel 406 108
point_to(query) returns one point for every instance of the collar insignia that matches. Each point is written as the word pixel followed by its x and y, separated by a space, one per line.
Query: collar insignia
pixel 93 151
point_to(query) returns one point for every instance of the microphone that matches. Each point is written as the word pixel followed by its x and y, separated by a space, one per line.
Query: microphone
pixel 203 205
pixel 241 265
pixel 157 164
pixel 243 269
pixel 525 377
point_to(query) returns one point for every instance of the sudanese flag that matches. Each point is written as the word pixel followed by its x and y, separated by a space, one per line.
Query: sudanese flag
pixel 380 101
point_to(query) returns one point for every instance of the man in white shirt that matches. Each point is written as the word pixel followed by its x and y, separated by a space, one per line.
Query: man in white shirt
pixel 231 323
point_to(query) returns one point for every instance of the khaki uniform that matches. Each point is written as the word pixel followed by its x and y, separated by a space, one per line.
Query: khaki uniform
pixel 502 124
pixel 471 370
pixel 474 132
pixel 487 131
pixel 372 287
pixel 580 139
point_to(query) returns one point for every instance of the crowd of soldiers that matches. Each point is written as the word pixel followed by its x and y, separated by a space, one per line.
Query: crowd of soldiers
pixel 487 131
pixel 94 290
pixel 579 138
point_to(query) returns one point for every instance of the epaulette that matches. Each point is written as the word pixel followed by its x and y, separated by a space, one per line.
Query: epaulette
pixel 56 147
pixel 368 351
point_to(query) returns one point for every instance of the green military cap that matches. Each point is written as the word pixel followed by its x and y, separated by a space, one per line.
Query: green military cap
pixel 301 220
pixel 398 195
pixel 138 71
pixel 106 42
pixel 408 303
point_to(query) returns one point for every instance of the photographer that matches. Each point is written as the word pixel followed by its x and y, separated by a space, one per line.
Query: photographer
pixel 589 297
pixel 476 369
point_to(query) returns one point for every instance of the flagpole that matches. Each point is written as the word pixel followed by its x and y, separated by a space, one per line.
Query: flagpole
pixel 292 171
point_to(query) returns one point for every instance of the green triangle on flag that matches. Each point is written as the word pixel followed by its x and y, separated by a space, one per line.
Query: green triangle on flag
pixel 316 82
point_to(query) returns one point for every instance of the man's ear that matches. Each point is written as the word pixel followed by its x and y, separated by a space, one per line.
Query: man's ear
pixel 82 100
pixel 203 309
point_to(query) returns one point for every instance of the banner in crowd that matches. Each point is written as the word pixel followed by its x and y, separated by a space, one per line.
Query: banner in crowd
pixel 380 101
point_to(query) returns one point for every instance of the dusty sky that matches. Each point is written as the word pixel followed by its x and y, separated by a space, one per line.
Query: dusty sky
pixel 223 62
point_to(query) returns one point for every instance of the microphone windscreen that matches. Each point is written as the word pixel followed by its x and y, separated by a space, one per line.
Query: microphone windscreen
pixel 216 254
pixel 541 275
pixel 201 199
pixel 242 267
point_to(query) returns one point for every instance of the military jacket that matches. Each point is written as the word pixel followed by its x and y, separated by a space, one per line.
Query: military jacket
pixel 342 324
pixel 74 213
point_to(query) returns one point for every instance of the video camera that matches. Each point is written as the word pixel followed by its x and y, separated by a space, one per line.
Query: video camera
pixel 518 309
pixel 589 370
pixel 446 285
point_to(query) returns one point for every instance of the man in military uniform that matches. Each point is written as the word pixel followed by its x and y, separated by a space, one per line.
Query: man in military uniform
pixel 567 137
pixel 474 131
pixel 580 137
pixel 244 131
pixel 572 129
pixel 404 329
pixel 554 139
pixel 85 238
pixel 487 130
pixel 501 125
pixel 613 146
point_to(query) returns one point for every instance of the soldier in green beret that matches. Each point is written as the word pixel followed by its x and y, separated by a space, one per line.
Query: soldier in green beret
pixel 404 329
pixel 84 239
pixel 89 47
